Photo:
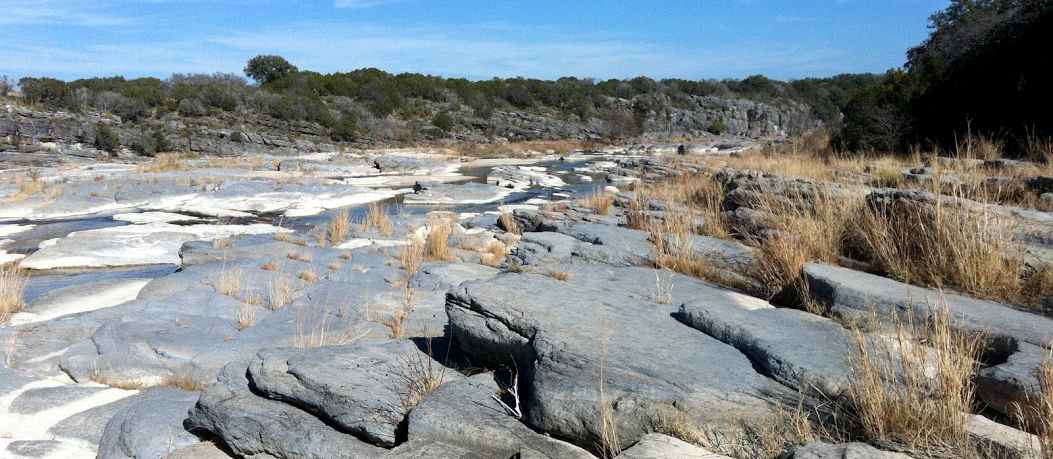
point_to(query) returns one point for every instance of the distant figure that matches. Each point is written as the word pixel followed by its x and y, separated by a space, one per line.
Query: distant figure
pixel 681 150
pixel 562 159
pixel 509 186
pixel 417 188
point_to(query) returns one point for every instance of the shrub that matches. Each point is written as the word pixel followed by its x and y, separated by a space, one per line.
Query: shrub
pixel 47 91
pixel 344 128
pixel 105 139
pixel 237 136
pixel 717 127
pixel 268 68
pixel 191 107
pixel 443 120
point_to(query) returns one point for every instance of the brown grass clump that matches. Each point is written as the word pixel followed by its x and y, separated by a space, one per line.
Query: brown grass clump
pixel 437 244
pixel 377 218
pixel 163 162
pixel 299 256
pixel 346 256
pixel 494 254
pixel 942 245
pixel 1040 417
pixel 559 274
pixel 308 276
pixel 223 242
pixel 312 330
pixel 268 266
pixel 12 289
pixel 28 185
pixel 411 255
pixel 509 224
pixel 397 321
pixel 334 266
pixel 338 227
pixel 279 292
pixel 907 396
pixel 418 376
pixel 246 316
pixel 601 200
pixel 230 282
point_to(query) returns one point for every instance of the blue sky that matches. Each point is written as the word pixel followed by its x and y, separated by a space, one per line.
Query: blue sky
pixel 692 39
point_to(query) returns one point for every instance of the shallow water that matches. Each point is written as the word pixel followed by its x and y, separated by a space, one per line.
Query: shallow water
pixel 41 282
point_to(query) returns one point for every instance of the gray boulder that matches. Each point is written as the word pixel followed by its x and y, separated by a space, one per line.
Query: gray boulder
pixel 1011 388
pixel 360 388
pixel 254 426
pixel 463 413
pixel 658 446
pixel 819 450
pixel 150 427
pixel 610 322
pixel 855 293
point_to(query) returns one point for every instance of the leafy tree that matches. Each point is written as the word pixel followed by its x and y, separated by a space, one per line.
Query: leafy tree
pixel 344 128
pixel 267 68
pixel 5 86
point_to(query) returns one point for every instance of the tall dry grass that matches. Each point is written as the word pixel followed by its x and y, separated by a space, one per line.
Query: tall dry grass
pixel 279 292
pixel 12 291
pixel 942 245
pixel 601 201
pixel 437 243
pixel 914 391
pixel 377 218
pixel 338 226
pixel 163 162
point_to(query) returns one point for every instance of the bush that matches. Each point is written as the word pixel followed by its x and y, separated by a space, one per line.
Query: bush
pixel 617 124
pixel 343 129
pixel 717 127
pixel 105 139
pixel 237 136
pixel 151 144
pixel 443 120
pixel 47 91
pixel 191 108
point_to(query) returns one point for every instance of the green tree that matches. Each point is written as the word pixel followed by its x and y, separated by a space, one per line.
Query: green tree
pixel 105 139
pixel 443 120
pixel 267 68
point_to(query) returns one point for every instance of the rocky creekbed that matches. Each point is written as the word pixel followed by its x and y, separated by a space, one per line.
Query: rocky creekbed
pixel 211 309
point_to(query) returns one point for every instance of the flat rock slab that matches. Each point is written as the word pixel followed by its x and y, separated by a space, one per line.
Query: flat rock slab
pixel 130 245
pixel 463 413
pixel 79 298
pixel 819 450
pixel 254 426
pixel 360 388
pixel 606 321
pixel 150 426
pixel 858 293
pixel 658 446
pixel 801 350
pixel 447 194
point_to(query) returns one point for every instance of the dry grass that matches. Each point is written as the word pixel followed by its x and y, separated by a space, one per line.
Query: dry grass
pixel 377 218
pixel 12 290
pixel 601 201
pixel 163 162
pixel 334 266
pixel 411 255
pixel 230 282
pixel 418 375
pixel 279 292
pixel 315 328
pixel 180 381
pixel 1040 417
pixel 610 444
pixel 516 149
pixel 11 348
pixel 54 192
pixel 346 256
pixel 338 227
pixel 906 396
pixel 509 224
pixel 246 316
pixel 437 244
pixel 299 256
pixel 28 185
pixel 942 245
pixel 268 266
pixel 559 274
pixel 308 276
pixel 494 254
pixel 223 242
pixel 397 321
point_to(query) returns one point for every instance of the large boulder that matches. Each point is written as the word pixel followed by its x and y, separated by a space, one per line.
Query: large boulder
pixel 150 426
pixel 604 344
pixel 464 413
pixel 362 388
pixel 820 450
pixel 658 446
